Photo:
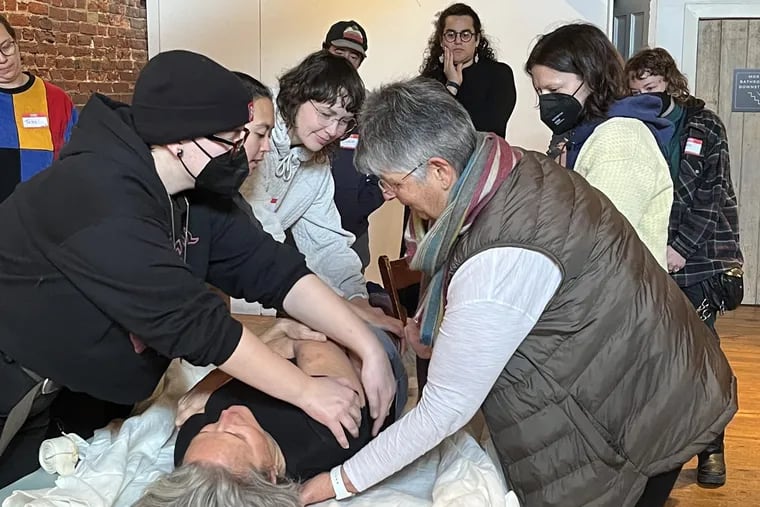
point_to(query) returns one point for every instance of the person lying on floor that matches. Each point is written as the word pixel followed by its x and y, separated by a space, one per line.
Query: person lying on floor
pixel 240 446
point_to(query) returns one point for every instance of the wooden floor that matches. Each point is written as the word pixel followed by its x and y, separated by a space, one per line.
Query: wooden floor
pixel 740 339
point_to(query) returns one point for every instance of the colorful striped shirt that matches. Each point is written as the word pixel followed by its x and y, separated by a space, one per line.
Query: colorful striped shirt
pixel 35 121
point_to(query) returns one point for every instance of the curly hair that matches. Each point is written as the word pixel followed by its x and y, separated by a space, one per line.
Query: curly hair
pixel 321 77
pixel 431 65
pixel 202 485
pixel 658 62
pixel 584 50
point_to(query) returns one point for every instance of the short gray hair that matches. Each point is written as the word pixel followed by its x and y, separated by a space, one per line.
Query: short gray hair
pixel 204 485
pixel 403 124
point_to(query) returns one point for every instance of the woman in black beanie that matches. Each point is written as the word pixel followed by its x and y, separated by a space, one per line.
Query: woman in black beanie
pixel 103 285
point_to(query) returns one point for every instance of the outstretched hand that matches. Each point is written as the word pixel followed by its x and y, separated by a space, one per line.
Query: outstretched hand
pixel 412 335
pixel 332 402
pixel 376 316
pixel 379 387
pixel 294 330
pixel 317 489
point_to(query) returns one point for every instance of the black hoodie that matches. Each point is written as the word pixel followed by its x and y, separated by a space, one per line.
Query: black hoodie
pixel 89 276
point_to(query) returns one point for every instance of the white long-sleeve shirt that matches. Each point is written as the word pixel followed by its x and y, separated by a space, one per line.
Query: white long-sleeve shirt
pixel 493 301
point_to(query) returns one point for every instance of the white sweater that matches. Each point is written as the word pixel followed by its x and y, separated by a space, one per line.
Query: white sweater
pixel 289 190
pixel 622 160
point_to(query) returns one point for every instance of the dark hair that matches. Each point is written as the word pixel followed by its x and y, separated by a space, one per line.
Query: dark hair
pixel 431 65
pixel 321 77
pixel 584 50
pixel 254 86
pixel 658 62
pixel 8 27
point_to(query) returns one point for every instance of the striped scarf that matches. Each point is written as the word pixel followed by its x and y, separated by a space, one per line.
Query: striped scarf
pixel 429 249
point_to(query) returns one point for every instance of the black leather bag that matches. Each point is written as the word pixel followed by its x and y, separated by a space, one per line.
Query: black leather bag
pixel 724 292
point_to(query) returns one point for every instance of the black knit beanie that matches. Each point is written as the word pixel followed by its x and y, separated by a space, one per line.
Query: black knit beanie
pixel 184 95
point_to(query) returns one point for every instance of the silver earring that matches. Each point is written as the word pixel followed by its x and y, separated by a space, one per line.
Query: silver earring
pixel 179 153
pixel 477 57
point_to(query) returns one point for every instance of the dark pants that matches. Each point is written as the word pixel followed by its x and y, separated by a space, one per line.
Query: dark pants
pixel 696 295
pixel 658 489
pixel 20 457
pixel 51 414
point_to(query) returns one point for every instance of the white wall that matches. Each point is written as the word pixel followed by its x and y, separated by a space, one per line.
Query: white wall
pixel 675 25
pixel 225 30
pixel 265 37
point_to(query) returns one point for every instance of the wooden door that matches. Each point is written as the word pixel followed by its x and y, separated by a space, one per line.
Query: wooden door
pixel 725 45
pixel 630 25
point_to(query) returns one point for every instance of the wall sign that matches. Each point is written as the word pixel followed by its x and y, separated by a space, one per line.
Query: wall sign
pixel 746 97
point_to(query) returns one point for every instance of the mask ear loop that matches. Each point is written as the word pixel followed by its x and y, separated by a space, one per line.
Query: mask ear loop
pixel 180 152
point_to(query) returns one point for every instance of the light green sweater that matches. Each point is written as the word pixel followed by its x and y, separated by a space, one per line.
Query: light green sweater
pixel 622 160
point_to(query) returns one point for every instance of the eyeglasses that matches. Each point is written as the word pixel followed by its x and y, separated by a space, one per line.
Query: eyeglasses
pixel 237 146
pixel 8 48
pixel 464 35
pixel 345 125
pixel 391 188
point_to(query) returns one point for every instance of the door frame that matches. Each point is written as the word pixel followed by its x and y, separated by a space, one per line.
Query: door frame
pixel 695 12
pixel 153 15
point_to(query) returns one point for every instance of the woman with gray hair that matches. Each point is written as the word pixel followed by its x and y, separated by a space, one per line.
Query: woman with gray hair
pixel 202 485
pixel 239 446
pixel 544 307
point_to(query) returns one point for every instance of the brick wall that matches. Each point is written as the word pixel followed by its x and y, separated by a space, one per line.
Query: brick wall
pixel 83 46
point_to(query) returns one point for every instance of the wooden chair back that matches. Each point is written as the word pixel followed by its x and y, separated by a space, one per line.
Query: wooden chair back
pixel 397 275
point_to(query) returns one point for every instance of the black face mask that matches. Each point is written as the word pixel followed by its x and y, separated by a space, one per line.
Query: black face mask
pixel 666 101
pixel 223 174
pixel 560 111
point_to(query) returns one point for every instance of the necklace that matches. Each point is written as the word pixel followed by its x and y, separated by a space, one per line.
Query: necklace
pixel 183 253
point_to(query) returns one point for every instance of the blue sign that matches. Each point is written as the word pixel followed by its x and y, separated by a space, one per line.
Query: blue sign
pixel 746 91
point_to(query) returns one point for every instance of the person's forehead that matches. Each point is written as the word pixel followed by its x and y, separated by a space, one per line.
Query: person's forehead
pixel 4 35
pixel 546 76
pixel 646 78
pixel 337 107
pixel 219 448
pixel 459 23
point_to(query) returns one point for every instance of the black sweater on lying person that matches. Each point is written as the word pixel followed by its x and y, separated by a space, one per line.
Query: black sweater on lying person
pixel 309 447
pixel 93 293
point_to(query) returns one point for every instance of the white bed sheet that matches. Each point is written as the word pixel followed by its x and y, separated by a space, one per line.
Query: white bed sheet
pixel 122 459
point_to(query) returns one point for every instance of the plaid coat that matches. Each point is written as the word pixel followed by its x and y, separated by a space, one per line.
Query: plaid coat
pixel 704 221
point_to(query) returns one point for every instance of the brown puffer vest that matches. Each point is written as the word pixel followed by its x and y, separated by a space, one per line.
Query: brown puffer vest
pixel 619 380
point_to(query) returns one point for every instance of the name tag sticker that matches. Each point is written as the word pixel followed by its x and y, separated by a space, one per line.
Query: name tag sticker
pixel 350 143
pixel 693 147
pixel 34 121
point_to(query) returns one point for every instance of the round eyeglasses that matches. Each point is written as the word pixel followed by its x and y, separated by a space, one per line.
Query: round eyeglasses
pixel 9 47
pixel 464 35
pixel 345 125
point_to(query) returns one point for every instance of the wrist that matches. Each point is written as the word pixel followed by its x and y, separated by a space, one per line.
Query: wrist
pixel 342 487
pixel 452 86
pixel 349 485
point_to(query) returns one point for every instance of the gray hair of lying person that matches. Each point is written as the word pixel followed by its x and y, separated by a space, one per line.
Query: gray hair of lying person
pixel 204 485
pixel 404 124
